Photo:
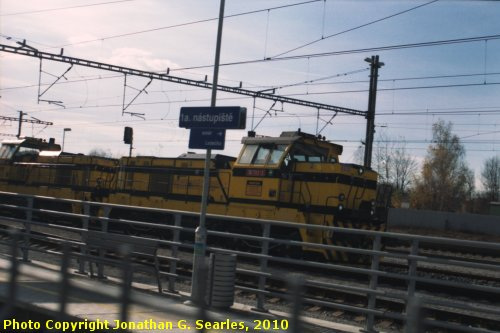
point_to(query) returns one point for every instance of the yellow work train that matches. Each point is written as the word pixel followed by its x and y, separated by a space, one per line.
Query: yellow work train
pixel 296 177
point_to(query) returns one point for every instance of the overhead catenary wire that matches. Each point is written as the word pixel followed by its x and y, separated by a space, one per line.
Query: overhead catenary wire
pixel 173 100
pixel 393 89
pixel 351 29
pixel 309 82
pixel 353 51
pixel 64 8
pixel 428 112
pixel 188 23
pixel 398 140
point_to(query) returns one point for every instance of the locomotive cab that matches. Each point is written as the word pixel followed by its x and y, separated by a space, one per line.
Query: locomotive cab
pixel 16 154
pixel 298 177
pixel 267 167
pixel 27 149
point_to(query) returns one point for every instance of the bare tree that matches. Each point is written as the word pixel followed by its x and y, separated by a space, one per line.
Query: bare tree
pixel 383 158
pixel 359 154
pixel 394 164
pixel 490 177
pixel 404 168
pixel 99 152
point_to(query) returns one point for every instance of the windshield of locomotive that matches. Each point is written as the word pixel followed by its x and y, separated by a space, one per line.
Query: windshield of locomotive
pixel 307 153
pixel 7 151
pixel 263 154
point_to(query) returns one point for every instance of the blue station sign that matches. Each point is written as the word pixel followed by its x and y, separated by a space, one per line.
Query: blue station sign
pixel 226 117
pixel 206 138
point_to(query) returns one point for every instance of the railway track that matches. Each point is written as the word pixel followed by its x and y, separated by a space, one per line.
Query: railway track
pixel 44 242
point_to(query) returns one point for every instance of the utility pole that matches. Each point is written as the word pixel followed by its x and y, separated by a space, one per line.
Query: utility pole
pixel 64 137
pixel 200 243
pixel 370 115
pixel 21 120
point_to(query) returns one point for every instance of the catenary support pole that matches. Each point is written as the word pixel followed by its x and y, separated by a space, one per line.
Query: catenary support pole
pixel 21 114
pixel 199 260
pixel 370 115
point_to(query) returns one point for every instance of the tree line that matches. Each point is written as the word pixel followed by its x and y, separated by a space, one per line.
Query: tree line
pixel 443 181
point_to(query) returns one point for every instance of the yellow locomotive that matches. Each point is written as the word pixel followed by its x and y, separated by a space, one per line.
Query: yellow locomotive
pixel 296 177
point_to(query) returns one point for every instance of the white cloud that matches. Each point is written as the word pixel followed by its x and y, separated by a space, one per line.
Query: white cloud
pixel 139 59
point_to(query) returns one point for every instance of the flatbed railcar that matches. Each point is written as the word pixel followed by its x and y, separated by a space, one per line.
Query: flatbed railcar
pixel 296 177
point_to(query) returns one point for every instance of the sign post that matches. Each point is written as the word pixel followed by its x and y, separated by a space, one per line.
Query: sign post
pixel 208 131
pixel 200 242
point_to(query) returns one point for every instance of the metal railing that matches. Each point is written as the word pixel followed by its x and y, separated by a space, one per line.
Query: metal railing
pixel 19 279
pixel 398 284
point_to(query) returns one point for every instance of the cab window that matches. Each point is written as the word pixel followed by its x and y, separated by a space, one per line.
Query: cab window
pixel 264 154
pixel 248 153
pixel 276 154
pixel 25 151
pixel 309 153
pixel 6 151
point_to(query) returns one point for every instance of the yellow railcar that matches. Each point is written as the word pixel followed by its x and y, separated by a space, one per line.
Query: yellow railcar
pixel 33 166
pixel 171 183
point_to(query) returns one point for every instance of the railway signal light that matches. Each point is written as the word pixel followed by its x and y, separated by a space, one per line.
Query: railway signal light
pixel 128 138
pixel 128 135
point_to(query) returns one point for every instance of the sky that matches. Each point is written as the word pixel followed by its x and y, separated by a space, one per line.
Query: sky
pixel 309 50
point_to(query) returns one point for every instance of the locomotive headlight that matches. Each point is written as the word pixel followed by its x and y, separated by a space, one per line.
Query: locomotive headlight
pixel 373 203
pixel 361 170
pixel 340 208
pixel 341 197
pixel 372 212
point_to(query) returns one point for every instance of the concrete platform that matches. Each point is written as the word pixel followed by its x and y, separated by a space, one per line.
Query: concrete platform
pixel 97 305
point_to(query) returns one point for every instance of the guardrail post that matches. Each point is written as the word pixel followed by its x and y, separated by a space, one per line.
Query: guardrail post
pixel 296 286
pixel 27 228
pixel 126 283
pixel 85 226
pixel 174 253
pixel 414 316
pixel 105 214
pixel 64 282
pixel 266 232
pixel 372 299
pixel 412 274
pixel 13 274
pixel 104 228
